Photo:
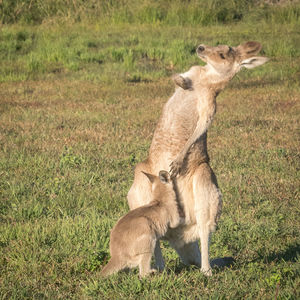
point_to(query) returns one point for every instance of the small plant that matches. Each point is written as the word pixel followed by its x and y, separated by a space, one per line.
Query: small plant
pixel 70 159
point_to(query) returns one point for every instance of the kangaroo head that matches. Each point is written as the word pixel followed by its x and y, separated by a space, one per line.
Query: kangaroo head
pixel 162 186
pixel 226 61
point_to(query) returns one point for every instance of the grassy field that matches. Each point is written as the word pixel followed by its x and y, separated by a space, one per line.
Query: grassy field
pixel 79 102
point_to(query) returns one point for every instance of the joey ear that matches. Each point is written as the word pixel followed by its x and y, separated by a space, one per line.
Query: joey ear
pixel 253 62
pixel 164 177
pixel 150 176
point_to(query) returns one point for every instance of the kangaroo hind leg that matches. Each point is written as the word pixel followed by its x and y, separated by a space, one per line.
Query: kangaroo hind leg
pixel 189 252
pixel 208 204
pixel 145 257
pixel 145 265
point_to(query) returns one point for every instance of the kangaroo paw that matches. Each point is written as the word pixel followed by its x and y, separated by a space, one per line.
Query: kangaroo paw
pixel 184 83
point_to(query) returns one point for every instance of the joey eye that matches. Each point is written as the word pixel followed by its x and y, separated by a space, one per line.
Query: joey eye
pixel 230 49
pixel 222 56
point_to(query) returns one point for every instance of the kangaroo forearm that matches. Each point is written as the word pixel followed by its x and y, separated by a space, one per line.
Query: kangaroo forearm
pixel 198 132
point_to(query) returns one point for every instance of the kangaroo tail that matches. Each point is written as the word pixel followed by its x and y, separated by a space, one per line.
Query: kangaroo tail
pixel 112 266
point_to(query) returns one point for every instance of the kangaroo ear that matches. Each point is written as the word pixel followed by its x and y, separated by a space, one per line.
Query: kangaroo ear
pixel 150 176
pixel 253 62
pixel 164 177
pixel 249 49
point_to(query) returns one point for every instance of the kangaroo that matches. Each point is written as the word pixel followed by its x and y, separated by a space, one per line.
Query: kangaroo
pixel 133 238
pixel 179 144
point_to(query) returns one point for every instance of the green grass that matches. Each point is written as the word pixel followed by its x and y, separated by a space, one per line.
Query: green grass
pixel 130 53
pixel 78 106
pixel 172 12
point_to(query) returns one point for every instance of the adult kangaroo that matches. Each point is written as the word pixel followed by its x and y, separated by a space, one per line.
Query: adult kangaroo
pixel 179 144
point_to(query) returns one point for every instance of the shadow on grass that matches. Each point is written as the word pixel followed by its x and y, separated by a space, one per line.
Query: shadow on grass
pixel 290 254
pixel 217 263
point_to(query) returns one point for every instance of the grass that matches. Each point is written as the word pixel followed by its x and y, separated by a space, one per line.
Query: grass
pixel 78 106
pixel 126 52
pixel 175 12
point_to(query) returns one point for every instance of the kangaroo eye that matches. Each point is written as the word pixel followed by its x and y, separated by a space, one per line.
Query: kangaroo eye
pixel 230 49
pixel 222 56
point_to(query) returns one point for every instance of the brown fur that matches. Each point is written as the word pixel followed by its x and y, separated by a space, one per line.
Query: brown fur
pixel 133 238
pixel 180 141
